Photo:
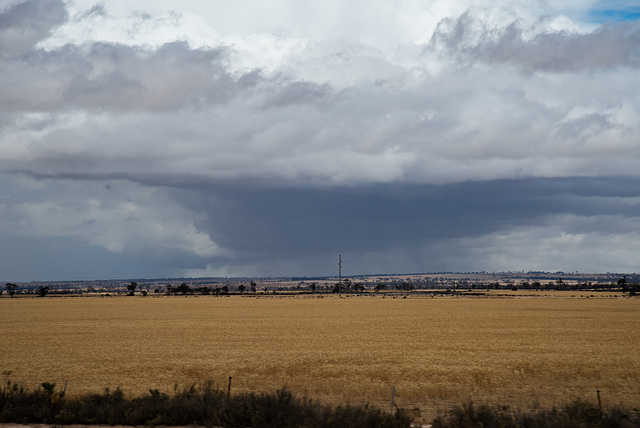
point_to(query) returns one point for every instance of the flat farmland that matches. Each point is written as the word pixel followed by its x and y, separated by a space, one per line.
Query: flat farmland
pixel 435 352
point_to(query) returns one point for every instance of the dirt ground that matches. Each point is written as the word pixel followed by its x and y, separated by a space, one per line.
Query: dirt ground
pixel 81 426
pixel 124 426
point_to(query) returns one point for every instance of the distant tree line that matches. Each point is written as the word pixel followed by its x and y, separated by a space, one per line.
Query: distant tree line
pixel 185 289
pixel 627 284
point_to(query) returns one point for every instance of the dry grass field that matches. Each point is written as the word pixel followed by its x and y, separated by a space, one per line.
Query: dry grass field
pixel 435 351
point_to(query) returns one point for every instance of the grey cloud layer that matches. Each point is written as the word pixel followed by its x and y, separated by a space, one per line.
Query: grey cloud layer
pixel 114 77
pixel 609 46
pixel 23 25
pixel 400 123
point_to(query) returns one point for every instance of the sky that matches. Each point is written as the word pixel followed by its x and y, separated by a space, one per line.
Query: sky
pixel 194 138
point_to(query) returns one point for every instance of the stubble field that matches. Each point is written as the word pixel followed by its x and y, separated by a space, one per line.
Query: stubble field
pixel 435 352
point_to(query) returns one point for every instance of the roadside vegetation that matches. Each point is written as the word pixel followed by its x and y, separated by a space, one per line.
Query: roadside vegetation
pixel 204 405
pixel 578 414
pixel 207 405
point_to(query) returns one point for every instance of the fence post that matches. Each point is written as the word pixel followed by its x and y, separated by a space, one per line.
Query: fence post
pixel 393 393
pixel 229 388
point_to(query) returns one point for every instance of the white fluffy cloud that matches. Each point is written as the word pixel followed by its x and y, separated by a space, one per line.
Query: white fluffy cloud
pixel 115 215
pixel 561 243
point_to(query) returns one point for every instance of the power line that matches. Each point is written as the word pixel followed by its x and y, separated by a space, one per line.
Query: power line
pixel 340 275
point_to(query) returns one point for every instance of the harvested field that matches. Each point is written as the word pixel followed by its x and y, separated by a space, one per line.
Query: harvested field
pixel 436 352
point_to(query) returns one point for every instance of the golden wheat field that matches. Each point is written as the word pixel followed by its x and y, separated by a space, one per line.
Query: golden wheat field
pixel 434 351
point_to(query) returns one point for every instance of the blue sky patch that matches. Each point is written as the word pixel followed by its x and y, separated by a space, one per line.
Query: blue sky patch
pixel 605 11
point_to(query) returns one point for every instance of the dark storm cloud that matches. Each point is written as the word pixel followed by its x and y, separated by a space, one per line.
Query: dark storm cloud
pixel 24 24
pixel 362 218
pixel 609 46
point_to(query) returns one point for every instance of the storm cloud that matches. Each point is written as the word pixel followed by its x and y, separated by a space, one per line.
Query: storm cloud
pixel 215 141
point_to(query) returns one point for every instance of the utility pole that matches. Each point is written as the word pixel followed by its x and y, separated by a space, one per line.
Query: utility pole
pixel 340 276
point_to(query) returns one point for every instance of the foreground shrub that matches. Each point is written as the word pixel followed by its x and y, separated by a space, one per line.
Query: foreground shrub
pixel 210 406
pixel 578 414
pixel 197 405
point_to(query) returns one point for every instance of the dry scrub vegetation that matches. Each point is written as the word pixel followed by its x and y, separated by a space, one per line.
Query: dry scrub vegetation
pixel 436 352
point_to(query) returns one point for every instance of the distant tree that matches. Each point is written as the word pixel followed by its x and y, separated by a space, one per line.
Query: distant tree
pixel 183 288
pixel 43 290
pixel 241 287
pixel 144 292
pixel 224 290
pixel 622 283
pixel 625 286
pixel 380 286
pixel 11 288
pixel 253 287
pixel 408 286
pixel 132 288
pixel 313 287
pixel 205 291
